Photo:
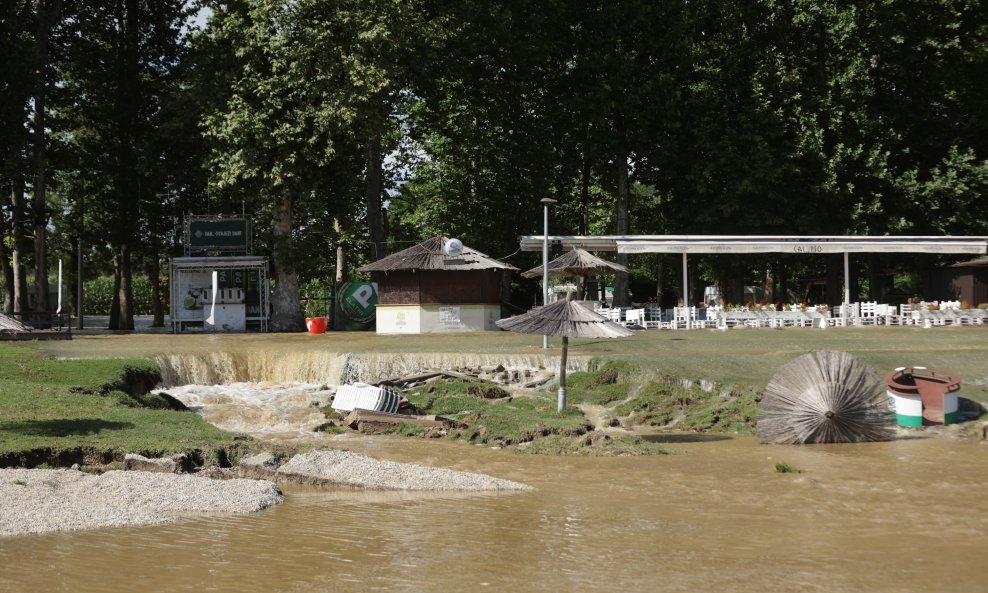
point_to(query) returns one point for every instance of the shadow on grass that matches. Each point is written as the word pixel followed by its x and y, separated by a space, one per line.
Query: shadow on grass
pixel 63 428
pixel 684 438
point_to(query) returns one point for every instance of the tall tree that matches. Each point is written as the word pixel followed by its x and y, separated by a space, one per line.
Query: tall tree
pixel 16 76
pixel 48 12
pixel 121 59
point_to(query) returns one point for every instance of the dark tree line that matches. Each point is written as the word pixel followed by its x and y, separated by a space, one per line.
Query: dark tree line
pixel 348 128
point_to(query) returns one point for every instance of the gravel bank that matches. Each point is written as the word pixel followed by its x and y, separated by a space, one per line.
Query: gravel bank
pixel 46 500
pixel 346 468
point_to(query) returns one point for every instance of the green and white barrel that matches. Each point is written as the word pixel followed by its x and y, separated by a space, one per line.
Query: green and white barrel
pixel 908 408
pixel 951 403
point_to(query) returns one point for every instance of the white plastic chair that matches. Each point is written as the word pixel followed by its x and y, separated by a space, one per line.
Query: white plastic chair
pixel 867 313
pixel 683 317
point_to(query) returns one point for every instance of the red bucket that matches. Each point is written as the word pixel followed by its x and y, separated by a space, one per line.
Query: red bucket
pixel 316 325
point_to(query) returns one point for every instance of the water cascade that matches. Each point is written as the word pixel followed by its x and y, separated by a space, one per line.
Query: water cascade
pixel 332 368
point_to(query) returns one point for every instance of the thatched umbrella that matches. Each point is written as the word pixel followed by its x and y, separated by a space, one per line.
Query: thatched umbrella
pixel 576 263
pixel 13 325
pixel 824 397
pixel 567 319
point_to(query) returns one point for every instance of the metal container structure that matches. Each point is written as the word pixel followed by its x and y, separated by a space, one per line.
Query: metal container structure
pixel 240 302
pixel 922 396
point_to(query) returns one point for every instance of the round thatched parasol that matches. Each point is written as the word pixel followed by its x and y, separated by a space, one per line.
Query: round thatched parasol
pixel 824 397
pixel 576 262
pixel 567 319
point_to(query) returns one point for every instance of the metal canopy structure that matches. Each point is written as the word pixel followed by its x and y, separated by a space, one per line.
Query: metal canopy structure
pixel 191 283
pixel 730 244
pixel 726 244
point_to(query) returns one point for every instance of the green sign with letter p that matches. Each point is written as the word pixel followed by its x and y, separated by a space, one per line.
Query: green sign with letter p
pixel 356 306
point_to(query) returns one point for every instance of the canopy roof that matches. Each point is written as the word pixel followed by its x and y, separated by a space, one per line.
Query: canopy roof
pixel 576 262
pixel 974 263
pixel 428 255
pixel 564 318
pixel 13 325
pixel 760 244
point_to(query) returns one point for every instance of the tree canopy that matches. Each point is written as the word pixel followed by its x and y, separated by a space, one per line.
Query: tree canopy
pixel 363 126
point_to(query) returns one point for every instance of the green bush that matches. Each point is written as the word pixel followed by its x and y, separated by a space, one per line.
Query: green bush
pixel 98 295
pixel 315 295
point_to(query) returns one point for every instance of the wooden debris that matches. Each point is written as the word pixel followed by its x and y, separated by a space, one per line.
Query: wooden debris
pixel 541 378
pixel 385 420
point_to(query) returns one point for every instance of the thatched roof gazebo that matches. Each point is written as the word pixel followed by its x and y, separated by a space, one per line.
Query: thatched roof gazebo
pixel 422 289
pixel 567 319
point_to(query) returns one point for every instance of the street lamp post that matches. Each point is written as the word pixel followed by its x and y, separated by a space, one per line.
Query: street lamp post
pixel 546 202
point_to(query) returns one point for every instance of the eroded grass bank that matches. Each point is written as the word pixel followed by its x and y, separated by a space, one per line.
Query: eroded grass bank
pixel 91 412
pixel 95 410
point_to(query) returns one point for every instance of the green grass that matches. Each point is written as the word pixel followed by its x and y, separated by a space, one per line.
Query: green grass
pixel 691 408
pixel 620 446
pixel 630 375
pixel 749 356
pixel 610 383
pixel 502 422
pixel 49 408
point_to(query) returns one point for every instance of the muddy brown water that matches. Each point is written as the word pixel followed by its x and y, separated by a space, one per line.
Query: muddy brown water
pixel 715 516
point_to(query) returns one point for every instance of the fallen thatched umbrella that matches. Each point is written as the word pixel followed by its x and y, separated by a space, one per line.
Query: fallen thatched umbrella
pixel 13 325
pixel 567 319
pixel 824 397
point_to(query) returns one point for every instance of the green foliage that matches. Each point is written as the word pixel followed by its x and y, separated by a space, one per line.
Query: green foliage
pixel 98 295
pixel 785 468
pixel 315 295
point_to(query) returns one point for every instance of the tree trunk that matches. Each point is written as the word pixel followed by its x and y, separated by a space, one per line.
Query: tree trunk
pixel 585 186
pixel 768 287
pixel 126 290
pixel 127 194
pixel 621 295
pixel 341 274
pixel 659 272
pixel 8 277
pixel 115 299
pixel 379 245
pixel 47 14
pixel 154 275
pixel 18 245
pixel 286 310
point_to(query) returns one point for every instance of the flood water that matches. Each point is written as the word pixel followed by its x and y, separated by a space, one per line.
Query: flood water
pixel 714 515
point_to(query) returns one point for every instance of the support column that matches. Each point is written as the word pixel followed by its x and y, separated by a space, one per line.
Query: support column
pixel 686 291
pixel 847 288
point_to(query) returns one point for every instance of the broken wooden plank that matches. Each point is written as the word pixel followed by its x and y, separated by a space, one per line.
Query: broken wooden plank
pixel 359 415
